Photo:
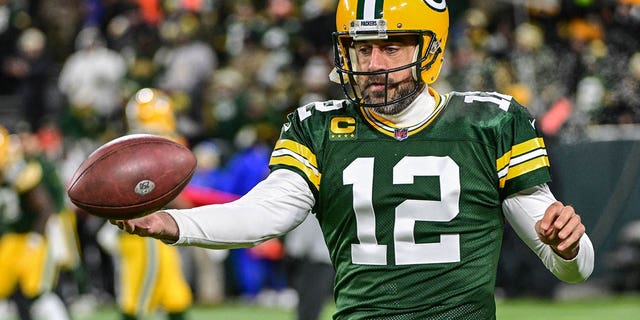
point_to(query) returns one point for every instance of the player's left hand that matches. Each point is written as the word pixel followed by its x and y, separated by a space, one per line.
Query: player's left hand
pixel 561 228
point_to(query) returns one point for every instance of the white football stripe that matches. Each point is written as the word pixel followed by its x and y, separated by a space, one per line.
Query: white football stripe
pixel 369 9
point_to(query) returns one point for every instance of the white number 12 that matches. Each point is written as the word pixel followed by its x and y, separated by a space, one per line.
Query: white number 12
pixel 360 173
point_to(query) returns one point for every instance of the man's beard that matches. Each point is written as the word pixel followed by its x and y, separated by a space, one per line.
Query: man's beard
pixel 403 89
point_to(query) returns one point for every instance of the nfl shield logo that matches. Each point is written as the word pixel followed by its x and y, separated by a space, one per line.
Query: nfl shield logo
pixel 400 134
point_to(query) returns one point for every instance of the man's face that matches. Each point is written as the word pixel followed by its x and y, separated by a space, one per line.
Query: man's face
pixel 377 55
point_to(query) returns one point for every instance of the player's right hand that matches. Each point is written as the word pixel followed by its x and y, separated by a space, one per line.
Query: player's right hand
pixel 159 225
pixel 561 228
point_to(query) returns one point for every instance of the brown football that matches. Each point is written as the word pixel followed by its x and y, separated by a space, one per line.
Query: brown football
pixel 131 176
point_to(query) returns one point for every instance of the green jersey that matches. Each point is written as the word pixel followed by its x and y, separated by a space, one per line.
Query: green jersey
pixel 412 216
pixel 17 213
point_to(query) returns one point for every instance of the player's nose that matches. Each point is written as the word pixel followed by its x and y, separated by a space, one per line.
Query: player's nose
pixel 378 60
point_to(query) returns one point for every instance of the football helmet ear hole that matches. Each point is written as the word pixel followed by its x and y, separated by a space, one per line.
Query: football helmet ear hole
pixel 432 57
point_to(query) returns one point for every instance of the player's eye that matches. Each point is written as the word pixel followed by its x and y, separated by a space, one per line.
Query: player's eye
pixel 391 49
pixel 363 50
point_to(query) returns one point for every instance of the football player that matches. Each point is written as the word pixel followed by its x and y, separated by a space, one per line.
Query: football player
pixel 149 272
pixel 410 187
pixel 29 269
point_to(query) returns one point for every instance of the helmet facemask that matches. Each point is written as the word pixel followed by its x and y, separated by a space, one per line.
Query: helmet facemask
pixel 361 20
pixel 346 71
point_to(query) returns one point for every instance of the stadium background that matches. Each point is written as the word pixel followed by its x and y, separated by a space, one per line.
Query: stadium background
pixel 235 68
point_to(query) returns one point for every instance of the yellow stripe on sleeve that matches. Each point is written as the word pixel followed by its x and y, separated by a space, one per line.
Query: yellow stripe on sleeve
pixel 519 149
pixel 293 162
pixel 524 147
pixel 293 154
pixel 299 149
pixel 524 168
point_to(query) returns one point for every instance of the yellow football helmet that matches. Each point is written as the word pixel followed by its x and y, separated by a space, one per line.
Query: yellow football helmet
pixel 357 20
pixel 20 173
pixel 151 111
pixel 4 147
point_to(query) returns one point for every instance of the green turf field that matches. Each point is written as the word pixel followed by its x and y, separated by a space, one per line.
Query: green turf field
pixel 610 308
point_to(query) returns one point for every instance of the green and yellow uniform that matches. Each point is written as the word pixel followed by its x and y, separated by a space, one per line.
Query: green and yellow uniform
pixel 150 277
pixel 402 206
pixel 25 258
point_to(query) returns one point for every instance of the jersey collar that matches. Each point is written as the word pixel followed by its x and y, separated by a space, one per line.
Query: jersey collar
pixel 420 113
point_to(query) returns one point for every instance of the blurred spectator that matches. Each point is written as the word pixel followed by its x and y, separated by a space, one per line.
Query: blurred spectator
pixel 151 111
pixel 60 20
pixel 137 41
pixel 259 272
pixel 210 173
pixel 535 66
pixel 623 101
pixel 624 261
pixel 318 20
pixel 186 65
pixel 242 26
pixel 9 33
pixel 470 66
pixel 312 272
pixel 224 100
pixel 314 85
pixel 279 39
pixel 91 80
pixel 207 266
pixel 34 69
pixel 623 25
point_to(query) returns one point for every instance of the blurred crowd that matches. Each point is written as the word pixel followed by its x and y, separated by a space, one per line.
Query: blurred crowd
pixel 228 64
pixel 69 70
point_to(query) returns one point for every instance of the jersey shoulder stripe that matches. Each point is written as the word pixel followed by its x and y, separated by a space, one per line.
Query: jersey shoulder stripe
pixel 303 135
pixel 520 148
pixel 522 159
pixel 291 153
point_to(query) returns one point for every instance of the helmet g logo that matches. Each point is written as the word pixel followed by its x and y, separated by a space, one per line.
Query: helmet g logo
pixel 438 5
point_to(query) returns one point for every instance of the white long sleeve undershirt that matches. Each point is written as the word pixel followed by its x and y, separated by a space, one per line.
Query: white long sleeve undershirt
pixel 272 208
pixel 283 200
pixel 523 210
